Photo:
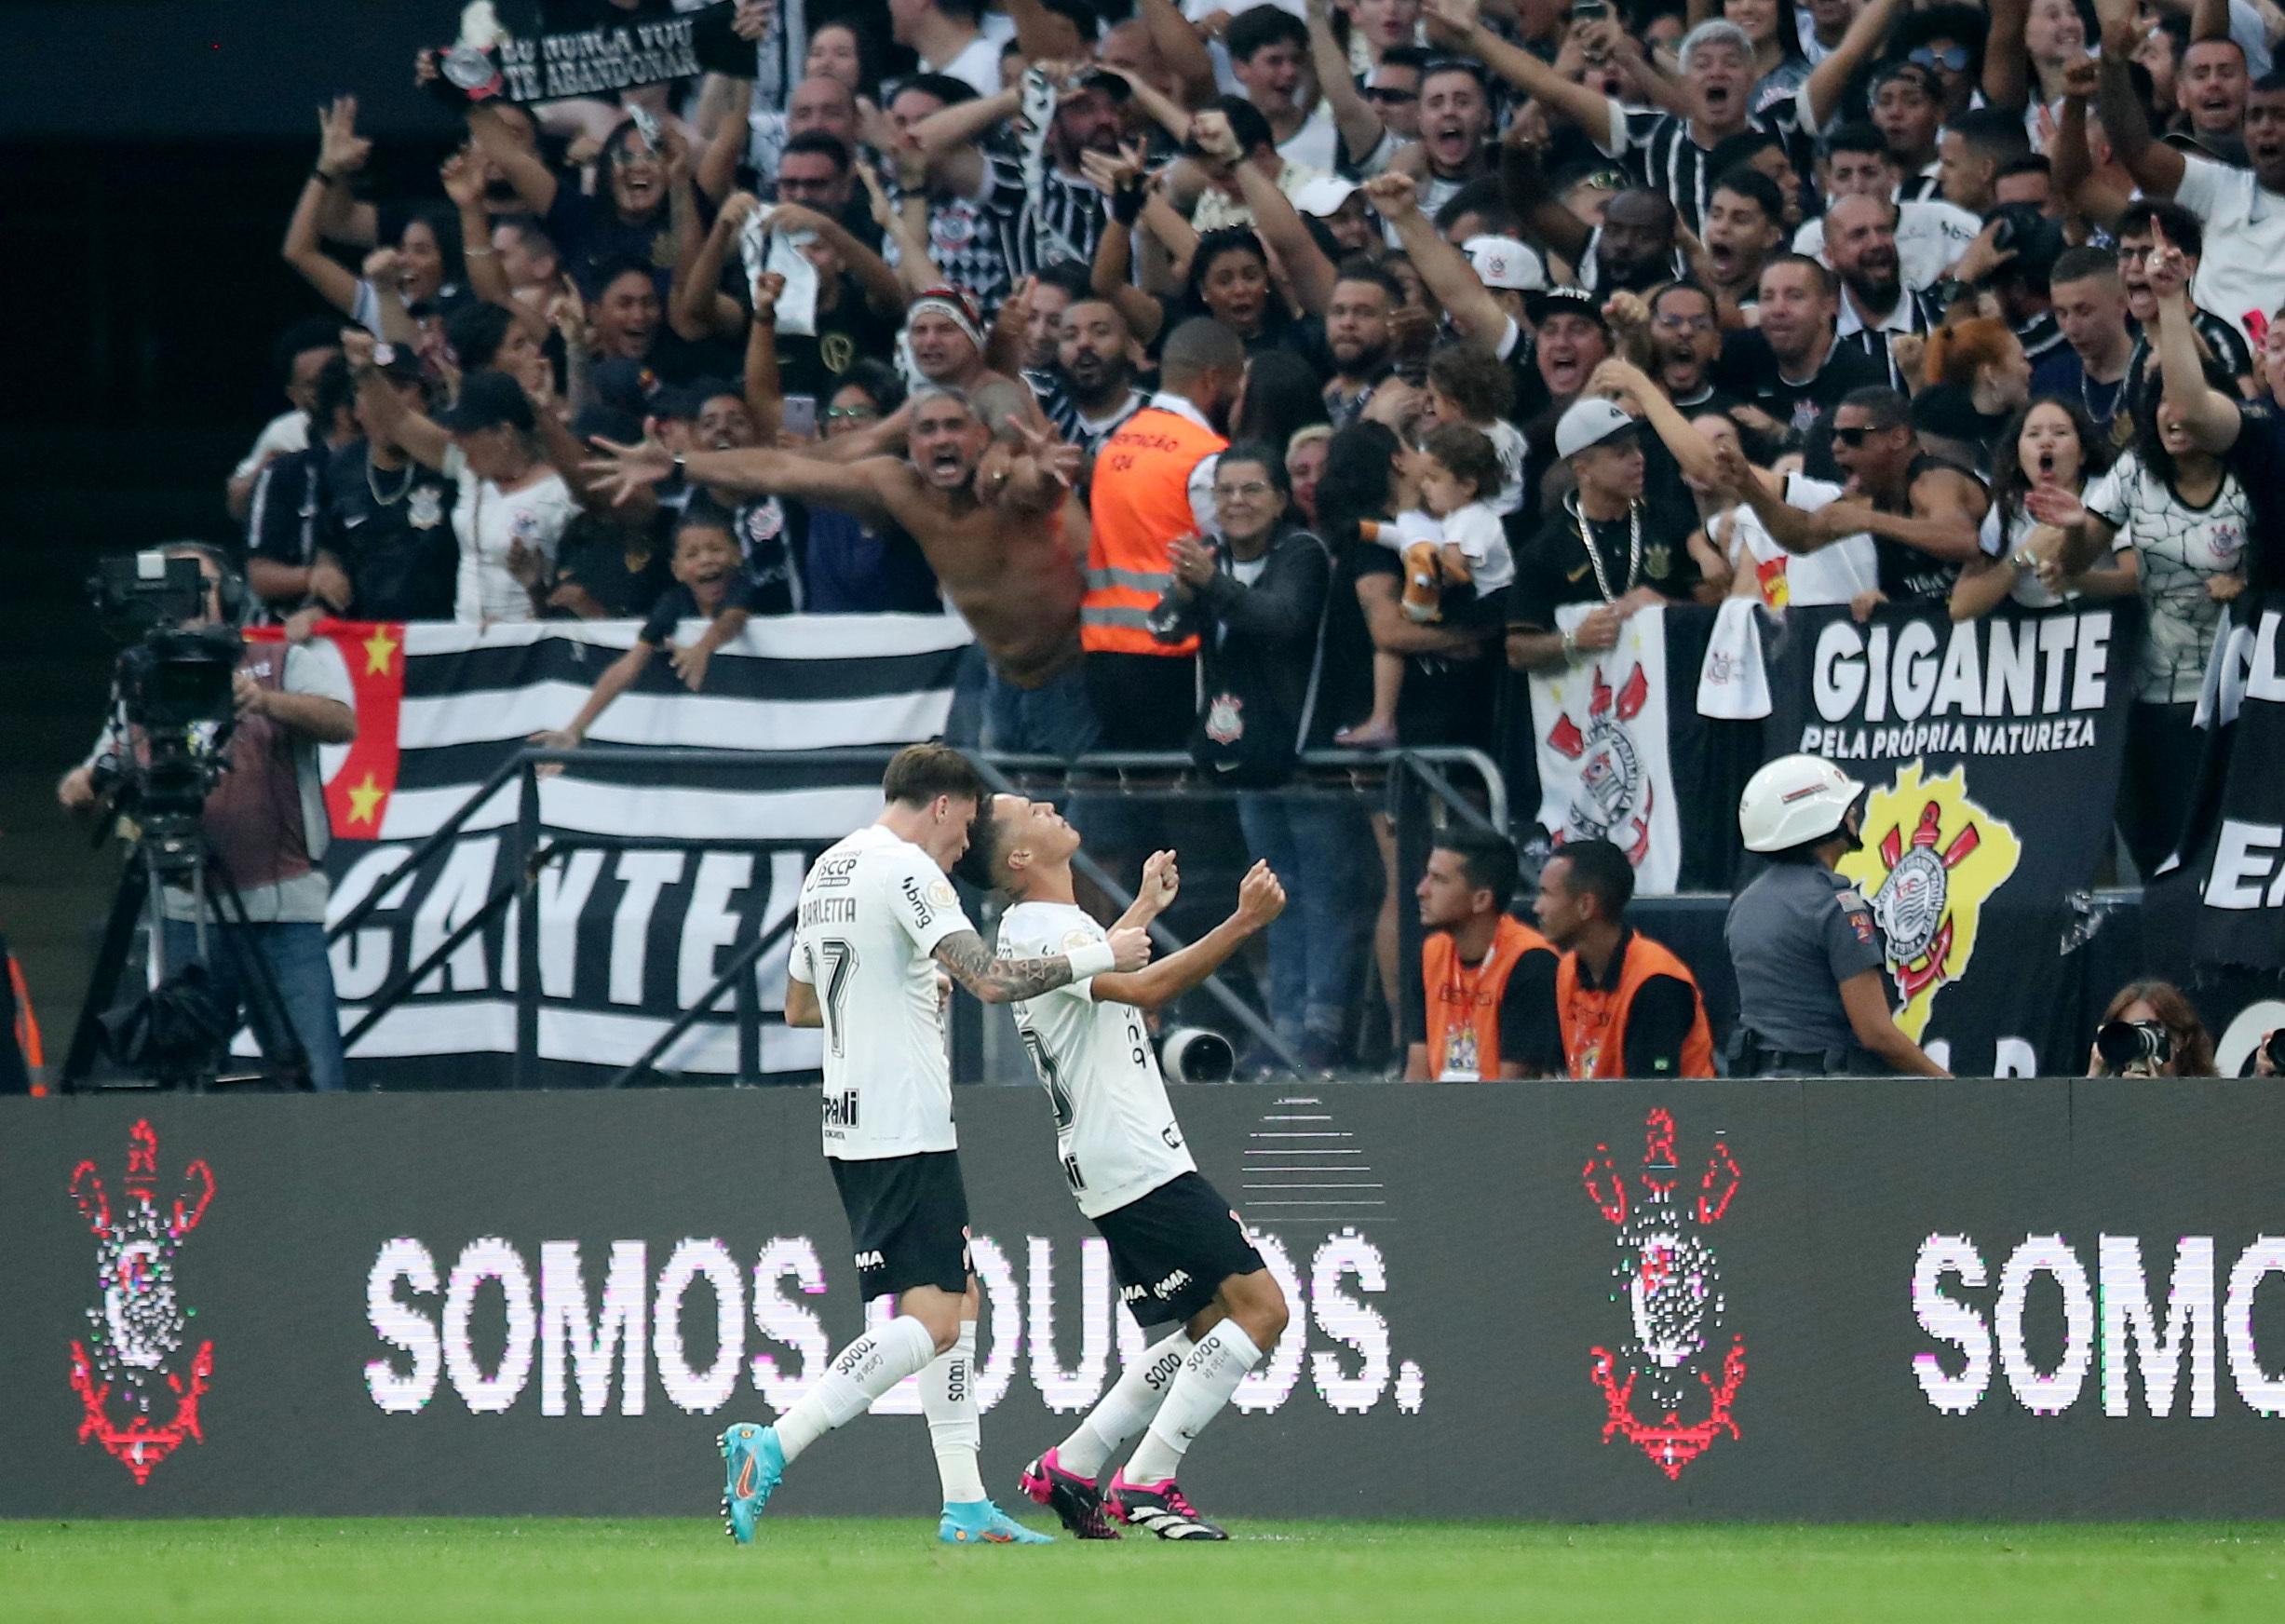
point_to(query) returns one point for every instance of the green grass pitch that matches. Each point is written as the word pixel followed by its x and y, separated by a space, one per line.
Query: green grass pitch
pixel 568 1572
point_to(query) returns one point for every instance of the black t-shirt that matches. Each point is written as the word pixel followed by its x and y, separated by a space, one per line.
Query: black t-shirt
pixel 1907 574
pixel 2258 460
pixel 1659 1017
pixel 767 538
pixel 852 328
pixel 282 522
pixel 1555 569
pixel 679 604
pixel 590 235
pixel 1531 1032
pixel 391 529
pixel 1445 700
pixel 1748 369
pixel 595 557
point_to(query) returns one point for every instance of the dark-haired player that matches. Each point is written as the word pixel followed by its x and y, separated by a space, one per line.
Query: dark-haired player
pixel 1179 1251
pixel 876 917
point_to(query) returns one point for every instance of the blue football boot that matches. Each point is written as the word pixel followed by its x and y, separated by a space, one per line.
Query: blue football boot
pixel 755 1465
pixel 981 1523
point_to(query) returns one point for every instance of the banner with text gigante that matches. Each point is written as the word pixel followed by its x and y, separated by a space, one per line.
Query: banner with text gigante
pixel 631 936
pixel 1992 749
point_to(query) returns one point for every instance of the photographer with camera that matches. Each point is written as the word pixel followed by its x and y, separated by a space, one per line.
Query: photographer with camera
pixel 230 797
pixel 2151 1031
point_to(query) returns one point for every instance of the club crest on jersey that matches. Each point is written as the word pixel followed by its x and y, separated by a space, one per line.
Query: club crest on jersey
pixel 138 1397
pixel 1225 719
pixel 1928 886
pixel 1668 1282
pixel 426 508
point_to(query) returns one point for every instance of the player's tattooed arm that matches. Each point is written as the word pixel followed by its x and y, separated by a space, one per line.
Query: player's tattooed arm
pixel 1000 980
pixel 1003 981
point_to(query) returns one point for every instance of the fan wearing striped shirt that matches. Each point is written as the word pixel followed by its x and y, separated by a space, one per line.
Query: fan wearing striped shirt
pixel 1672 151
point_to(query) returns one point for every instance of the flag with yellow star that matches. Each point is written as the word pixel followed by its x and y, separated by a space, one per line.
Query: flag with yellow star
pixel 357 793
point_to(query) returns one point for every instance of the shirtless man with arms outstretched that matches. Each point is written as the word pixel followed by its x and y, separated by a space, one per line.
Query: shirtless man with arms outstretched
pixel 996 520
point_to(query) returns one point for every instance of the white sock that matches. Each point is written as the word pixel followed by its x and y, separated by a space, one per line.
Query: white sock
pixel 1126 1409
pixel 867 1368
pixel 955 1425
pixel 1197 1395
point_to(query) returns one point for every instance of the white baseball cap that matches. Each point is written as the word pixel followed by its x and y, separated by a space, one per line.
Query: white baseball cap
pixel 1503 262
pixel 1324 197
pixel 1589 422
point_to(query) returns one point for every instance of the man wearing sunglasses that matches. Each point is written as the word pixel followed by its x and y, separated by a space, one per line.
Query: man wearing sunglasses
pixel 1922 513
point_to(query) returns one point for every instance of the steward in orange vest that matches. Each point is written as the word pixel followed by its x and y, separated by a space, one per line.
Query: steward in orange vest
pixel 1628 1007
pixel 1153 481
pixel 1487 981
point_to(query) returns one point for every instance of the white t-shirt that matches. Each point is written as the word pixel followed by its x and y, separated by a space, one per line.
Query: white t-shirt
pixel 1482 541
pixel 977 64
pixel 2245 238
pixel 1929 236
pixel 2028 589
pixel 872 911
pixel 1833 574
pixel 2180 548
pixel 288 431
pixel 1114 1133
pixel 1317 145
pixel 486 519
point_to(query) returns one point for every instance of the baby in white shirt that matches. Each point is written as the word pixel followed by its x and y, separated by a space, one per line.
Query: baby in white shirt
pixel 1455 554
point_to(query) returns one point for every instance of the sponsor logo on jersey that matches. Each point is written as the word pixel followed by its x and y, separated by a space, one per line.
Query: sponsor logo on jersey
pixel 921 907
pixel 841 1109
pixel 832 871
pixel 871 1260
pixel 1671 1361
pixel 1939 858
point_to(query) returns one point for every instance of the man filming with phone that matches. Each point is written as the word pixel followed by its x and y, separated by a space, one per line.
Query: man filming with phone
pixel 264 828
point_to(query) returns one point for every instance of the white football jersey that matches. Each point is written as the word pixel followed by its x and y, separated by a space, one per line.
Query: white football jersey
pixel 872 910
pixel 1114 1133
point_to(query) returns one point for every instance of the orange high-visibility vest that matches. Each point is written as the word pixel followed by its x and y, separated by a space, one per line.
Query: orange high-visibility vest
pixel 1140 501
pixel 1595 1018
pixel 1463 1000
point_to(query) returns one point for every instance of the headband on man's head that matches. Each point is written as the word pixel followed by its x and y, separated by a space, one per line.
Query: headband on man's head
pixel 955 306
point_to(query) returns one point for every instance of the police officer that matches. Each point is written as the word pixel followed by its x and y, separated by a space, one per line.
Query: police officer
pixel 1812 978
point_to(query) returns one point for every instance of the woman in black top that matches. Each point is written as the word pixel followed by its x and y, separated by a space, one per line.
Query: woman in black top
pixel 1255 596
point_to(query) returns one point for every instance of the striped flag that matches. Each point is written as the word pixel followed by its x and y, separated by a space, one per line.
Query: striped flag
pixel 627 938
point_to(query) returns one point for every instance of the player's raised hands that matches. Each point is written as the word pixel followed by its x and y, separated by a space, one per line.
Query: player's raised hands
pixel 1131 948
pixel 1161 880
pixel 1261 897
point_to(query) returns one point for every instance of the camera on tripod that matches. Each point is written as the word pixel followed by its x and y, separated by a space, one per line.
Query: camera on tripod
pixel 171 684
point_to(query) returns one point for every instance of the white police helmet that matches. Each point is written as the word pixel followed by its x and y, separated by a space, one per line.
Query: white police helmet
pixel 1792 800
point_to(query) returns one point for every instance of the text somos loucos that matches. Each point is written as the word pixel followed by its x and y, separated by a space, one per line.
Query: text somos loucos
pixel 495 1325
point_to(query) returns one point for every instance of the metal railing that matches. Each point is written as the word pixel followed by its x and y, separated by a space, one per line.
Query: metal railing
pixel 1417 788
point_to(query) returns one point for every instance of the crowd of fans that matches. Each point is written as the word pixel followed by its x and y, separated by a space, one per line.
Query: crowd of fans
pixel 1271 380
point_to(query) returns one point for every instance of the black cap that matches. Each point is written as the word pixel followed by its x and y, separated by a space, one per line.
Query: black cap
pixel 1555 301
pixel 675 403
pixel 624 383
pixel 1112 85
pixel 487 400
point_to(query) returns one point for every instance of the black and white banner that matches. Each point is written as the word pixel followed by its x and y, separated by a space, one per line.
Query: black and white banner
pixel 629 937
pixel 1991 749
pixel 556 50
pixel 2234 847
